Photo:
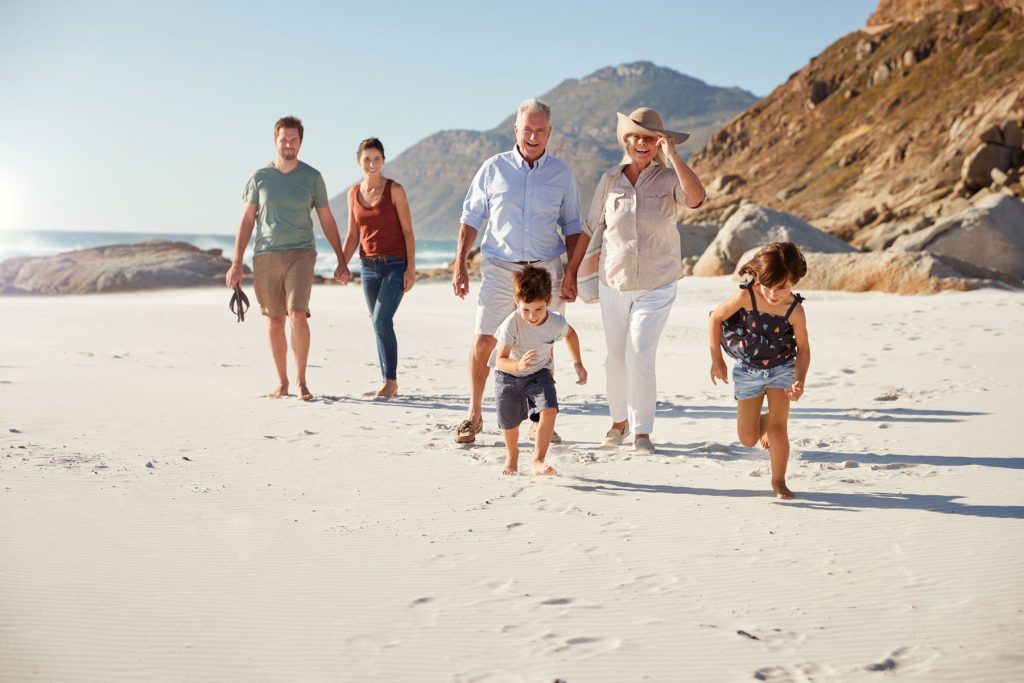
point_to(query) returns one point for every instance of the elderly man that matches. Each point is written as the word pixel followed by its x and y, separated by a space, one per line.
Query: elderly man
pixel 278 201
pixel 527 204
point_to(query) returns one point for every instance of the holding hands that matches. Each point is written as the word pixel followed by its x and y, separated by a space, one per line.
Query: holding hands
pixel 342 274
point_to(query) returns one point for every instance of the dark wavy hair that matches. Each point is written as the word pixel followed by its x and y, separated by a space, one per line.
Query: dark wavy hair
pixel 776 263
pixel 531 284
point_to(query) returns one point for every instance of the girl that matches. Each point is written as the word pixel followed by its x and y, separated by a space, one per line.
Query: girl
pixel 764 328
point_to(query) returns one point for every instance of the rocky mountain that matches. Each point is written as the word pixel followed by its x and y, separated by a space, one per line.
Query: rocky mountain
pixel 437 170
pixel 897 125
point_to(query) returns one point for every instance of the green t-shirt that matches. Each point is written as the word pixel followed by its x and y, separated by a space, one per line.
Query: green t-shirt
pixel 285 200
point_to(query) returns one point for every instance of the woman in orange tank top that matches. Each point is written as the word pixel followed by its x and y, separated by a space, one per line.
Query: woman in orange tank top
pixel 380 223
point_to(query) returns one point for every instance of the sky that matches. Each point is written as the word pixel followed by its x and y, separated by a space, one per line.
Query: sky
pixel 150 116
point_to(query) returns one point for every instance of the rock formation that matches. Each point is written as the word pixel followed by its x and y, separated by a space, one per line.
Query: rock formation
pixel 117 268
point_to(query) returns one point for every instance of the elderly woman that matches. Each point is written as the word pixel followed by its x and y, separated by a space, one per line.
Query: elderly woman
pixel 638 202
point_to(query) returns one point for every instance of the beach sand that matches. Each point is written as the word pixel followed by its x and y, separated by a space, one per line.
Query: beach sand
pixel 163 521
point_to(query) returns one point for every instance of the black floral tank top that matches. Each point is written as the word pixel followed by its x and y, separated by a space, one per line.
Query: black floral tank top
pixel 760 340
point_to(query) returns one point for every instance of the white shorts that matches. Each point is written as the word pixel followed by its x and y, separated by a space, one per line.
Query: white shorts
pixel 496 301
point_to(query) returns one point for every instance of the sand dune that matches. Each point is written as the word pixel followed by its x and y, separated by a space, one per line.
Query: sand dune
pixel 163 521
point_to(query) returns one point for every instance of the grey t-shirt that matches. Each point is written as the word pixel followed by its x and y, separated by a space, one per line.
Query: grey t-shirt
pixel 285 200
pixel 523 337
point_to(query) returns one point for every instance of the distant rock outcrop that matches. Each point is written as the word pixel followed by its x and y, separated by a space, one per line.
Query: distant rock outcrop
pixel 752 226
pixel 988 235
pixel 116 268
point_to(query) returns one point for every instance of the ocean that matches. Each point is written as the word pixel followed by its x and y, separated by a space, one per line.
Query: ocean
pixel 429 253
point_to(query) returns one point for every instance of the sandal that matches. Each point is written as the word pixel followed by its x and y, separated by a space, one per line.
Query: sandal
pixel 467 430
pixel 239 303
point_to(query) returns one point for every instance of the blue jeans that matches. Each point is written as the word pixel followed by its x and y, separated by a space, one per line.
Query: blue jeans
pixel 383 289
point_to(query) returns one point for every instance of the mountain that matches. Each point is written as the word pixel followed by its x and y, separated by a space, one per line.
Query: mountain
pixel 889 124
pixel 437 170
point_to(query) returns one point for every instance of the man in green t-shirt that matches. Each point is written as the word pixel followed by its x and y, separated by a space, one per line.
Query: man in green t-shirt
pixel 278 201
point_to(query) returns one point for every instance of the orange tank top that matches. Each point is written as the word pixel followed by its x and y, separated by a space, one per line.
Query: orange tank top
pixel 380 232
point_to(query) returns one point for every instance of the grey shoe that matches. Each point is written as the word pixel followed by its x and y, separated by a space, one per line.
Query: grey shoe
pixel 614 437
pixel 644 445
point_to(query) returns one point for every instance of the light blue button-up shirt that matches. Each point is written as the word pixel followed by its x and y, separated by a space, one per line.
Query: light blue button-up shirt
pixel 526 212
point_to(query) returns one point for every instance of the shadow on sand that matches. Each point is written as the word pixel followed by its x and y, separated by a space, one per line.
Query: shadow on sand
pixel 831 501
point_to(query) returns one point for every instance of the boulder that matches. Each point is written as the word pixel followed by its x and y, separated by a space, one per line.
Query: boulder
pixel 752 226
pixel 883 235
pixel 894 272
pixel 976 171
pixel 116 268
pixel 693 240
pixel 989 235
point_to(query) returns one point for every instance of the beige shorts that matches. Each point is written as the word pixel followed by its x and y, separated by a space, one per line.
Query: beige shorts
pixel 283 281
pixel 496 301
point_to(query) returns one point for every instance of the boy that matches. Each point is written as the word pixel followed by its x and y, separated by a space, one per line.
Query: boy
pixel 523 382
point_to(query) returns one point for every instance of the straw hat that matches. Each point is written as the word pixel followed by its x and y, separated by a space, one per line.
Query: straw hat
pixel 644 121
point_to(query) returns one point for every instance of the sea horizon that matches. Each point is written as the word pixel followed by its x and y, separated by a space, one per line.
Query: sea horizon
pixel 13 243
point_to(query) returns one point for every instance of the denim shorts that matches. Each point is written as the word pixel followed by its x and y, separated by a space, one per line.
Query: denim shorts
pixel 751 382
pixel 517 397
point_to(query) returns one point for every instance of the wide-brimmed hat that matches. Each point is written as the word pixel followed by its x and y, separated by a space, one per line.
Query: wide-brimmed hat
pixel 644 121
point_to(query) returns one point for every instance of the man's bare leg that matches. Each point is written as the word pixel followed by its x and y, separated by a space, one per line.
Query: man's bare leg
pixel 279 349
pixel 300 349
pixel 478 371
pixel 777 433
pixel 540 450
pixel 512 451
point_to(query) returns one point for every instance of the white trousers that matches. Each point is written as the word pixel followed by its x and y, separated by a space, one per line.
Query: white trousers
pixel 633 323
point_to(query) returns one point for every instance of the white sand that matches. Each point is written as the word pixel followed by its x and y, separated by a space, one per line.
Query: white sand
pixel 159 520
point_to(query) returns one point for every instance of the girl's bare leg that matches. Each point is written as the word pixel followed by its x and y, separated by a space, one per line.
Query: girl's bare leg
pixel 777 433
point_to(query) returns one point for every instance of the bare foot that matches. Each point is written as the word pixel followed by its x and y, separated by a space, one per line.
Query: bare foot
pixel 539 468
pixel 511 465
pixel 280 392
pixel 764 441
pixel 304 393
pixel 388 391
pixel 782 491
pixel 763 422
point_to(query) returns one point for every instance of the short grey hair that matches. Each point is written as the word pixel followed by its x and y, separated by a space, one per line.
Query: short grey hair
pixel 533 104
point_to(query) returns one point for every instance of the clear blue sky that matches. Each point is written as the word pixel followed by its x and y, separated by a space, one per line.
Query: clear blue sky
pixel 146 116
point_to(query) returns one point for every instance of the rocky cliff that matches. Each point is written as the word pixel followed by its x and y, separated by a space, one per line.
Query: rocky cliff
pixel 904 121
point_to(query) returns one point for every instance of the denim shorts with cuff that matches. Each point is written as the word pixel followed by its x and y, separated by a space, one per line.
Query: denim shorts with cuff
pixel 751 382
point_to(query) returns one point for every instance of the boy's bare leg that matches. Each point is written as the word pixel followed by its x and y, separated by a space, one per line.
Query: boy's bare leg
pixel 777 433
pixel 512 451
pixel 279 349
pixel 545 429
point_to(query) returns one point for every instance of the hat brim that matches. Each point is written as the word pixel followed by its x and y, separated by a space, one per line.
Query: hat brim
pixel 627 126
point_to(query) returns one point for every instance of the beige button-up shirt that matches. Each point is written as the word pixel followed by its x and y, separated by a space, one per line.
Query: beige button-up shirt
pixel 641 242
